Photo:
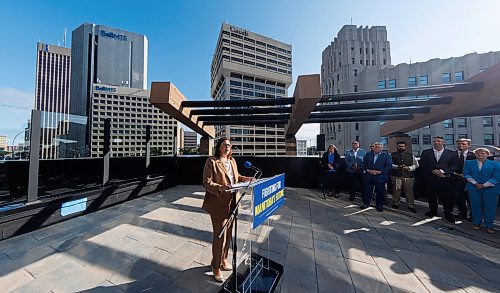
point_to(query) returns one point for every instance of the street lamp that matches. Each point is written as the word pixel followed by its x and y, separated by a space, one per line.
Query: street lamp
pixel 13 143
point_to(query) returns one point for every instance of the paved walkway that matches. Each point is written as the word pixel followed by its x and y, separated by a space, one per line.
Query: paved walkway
pixel 161 243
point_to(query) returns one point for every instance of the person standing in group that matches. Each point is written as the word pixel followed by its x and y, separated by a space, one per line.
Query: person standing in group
pixel 219 173
pixel 460 194
pixel 355 166
pixel 330 160
pixel 377 166
pixel 438 165
pixel 403 165
pixel 483 177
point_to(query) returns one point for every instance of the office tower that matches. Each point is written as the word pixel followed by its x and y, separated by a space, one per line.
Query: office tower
pixel 301 147
pixel 372 70
pixel 247 65
pixel 109 80
pixel 52 88
pixel 3 142
pixel 351 52
pixel 188 139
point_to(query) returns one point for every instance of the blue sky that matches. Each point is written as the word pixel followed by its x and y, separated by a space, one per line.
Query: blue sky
pixel 182 36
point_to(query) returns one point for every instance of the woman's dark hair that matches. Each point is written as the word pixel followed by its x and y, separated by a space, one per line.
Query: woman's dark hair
pixel 217 147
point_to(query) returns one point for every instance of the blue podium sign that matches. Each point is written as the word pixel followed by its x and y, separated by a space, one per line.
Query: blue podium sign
pixel 268 196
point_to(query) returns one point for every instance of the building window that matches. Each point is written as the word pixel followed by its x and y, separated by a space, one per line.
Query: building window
pixel 392 83
pixel 426 138
pixel 424 79
pixel 462 135
pixel 461 122
pixel 385 63
pixel 355 72
pixel 373 62
pixel 356 126
pixel 446 77
pixel 449 139
pixel 361 61
pixel 381 84
pixel 414 139
pixel 355 88
pixel 487 121
pixel 488 139
pixel 448 123
pixel 412 81
pixel 459 76
pixel 383 140
pixel 352 60
pixel 235 83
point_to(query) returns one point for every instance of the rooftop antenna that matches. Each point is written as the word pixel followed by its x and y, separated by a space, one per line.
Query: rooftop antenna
pixel 64 37
pixel 351 20
pixel 410 60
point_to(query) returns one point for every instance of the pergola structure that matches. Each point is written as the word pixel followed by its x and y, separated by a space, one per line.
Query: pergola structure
pixel 476 96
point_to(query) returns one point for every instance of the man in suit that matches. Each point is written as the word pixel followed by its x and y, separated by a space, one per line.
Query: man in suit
pixel 377 166
pixel 354 165
pixel 438 165
pixel 460 194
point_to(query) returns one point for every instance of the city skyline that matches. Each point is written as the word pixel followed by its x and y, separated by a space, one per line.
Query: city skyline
pixel 181 38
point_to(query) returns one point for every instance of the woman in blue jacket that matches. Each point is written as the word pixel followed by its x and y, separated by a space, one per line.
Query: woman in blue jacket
pixel 483 185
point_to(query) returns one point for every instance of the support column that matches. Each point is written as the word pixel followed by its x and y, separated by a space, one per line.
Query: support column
pixel 106 151
pixel 148 148
pixel 291 145
pixel 206 146
pixel 36 125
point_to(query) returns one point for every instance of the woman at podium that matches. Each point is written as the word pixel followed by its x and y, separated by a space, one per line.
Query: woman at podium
pixel 219 173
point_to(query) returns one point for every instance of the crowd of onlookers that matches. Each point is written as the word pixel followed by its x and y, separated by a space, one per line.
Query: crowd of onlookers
pixel 461 177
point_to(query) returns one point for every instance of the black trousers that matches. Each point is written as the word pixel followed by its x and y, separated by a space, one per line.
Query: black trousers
pixel 355 181
pixel 439 188
pixel 330 181
pixel 460 195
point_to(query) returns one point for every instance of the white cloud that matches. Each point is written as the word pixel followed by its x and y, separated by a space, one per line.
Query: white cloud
pixel 14 98
pixel 308 132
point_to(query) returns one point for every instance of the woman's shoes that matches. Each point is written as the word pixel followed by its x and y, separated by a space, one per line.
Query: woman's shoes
pixel 219 277
pixel 224 267
pixel 490 230
pixel 476 227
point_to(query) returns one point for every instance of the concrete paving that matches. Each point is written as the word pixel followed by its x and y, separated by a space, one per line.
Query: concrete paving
pixel 161 243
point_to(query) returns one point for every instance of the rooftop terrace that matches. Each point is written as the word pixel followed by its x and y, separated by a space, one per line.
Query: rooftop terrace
pixel 161 243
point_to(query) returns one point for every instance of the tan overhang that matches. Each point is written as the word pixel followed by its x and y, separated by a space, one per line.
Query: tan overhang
pixel 168 98
pixel 307 94
pixel 462 104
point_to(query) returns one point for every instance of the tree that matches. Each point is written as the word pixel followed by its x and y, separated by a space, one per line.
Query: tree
pixel 188 151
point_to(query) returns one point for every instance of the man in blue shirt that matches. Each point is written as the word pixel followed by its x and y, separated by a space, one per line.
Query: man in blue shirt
pixel 354 163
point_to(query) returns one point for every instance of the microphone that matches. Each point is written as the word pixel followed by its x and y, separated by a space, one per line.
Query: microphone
pixel 250 166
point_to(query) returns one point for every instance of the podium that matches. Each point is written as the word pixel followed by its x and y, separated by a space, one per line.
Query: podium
pixel 254 272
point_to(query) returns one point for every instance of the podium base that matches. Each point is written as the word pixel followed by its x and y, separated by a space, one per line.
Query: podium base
pixel 263 277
